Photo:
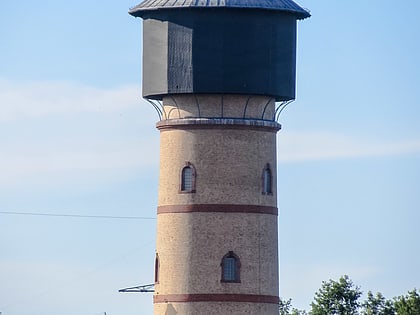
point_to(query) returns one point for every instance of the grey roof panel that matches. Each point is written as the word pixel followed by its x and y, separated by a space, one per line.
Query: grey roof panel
pixel 275 5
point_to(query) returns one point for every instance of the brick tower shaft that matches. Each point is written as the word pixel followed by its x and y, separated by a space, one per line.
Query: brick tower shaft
pixel 225 211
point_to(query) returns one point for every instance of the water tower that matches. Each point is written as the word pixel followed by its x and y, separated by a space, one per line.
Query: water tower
pixel 218 72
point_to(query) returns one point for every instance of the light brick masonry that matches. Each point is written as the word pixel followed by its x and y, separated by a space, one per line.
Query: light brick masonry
pixel 229 145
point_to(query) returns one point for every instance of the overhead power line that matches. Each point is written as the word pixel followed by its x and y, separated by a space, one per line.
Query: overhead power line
pixel 76 215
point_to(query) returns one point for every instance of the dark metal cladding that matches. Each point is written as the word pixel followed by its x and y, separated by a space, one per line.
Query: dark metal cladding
pixel 219 47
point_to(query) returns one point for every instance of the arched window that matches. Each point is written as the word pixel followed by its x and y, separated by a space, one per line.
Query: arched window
pixel 267 181
pixel 230 268
pixel 188 178
pixel 157 268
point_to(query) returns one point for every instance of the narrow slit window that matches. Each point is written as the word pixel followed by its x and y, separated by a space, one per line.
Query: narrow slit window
pixel 267 181
pixel 157 268
pixel 188 179
pixel 230 268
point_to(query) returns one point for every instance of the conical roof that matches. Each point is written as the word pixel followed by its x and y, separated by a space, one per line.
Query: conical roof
pixel 274 5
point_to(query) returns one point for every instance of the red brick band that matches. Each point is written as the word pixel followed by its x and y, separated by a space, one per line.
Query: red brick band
pixel 244 298
pixel 227 208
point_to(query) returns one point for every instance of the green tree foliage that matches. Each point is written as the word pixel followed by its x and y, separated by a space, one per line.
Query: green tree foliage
pixel 342 298
pixel 377 305
pixel 285 308
pixel 336 298
pixel 408 304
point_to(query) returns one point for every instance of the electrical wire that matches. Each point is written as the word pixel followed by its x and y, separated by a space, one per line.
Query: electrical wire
pixel 77 215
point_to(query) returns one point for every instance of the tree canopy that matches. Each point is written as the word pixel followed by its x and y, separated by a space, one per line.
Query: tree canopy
pixel 408 304
pixel 337 298
pixel 377 305
pixel 342 297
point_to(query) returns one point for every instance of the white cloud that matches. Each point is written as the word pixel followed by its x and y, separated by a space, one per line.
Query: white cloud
pixel 18 168
pixel 89 152
pixel 35 99
pixel 300 147
pixel 89 143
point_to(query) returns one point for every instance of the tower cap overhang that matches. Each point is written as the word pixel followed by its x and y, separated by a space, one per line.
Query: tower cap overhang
pixel 286 6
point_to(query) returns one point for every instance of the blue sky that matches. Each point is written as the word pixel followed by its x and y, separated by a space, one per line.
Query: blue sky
pixel 76 138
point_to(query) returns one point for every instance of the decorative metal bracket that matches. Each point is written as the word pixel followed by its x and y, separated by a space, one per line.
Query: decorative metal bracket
pixel 140 288
pixel 158 106
pixel 279 109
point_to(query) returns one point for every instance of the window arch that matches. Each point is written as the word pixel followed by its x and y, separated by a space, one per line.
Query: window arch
pixel 267 180
pixel 188 175
pixel 230 268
